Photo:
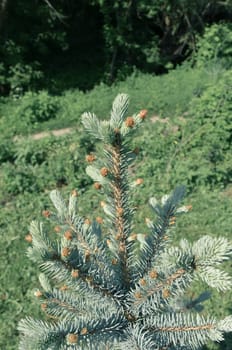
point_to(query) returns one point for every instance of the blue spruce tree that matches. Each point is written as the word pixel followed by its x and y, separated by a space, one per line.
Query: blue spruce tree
pixel 113 288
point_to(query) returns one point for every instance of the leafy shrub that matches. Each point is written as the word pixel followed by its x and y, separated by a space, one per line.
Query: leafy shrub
pixel 16 76
pixel 23 77
pixel 193 149
pixel 18 179
pixel 215 45
pixel 44 164
pixel 6 151
pixel 30 152
pixel 64 165
pixel 37 108
pixel 204 154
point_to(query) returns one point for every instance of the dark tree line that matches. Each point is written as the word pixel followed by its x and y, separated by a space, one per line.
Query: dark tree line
pixel 41 40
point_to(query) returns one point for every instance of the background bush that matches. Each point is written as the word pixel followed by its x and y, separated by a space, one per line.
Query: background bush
pixel 36 108
pixel 215 45
pixel 207 141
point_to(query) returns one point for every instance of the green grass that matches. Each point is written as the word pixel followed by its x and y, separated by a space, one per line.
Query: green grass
pixel 36 167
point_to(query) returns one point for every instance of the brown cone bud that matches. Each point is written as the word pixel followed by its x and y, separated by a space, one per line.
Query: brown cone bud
pixel 28 238
pixel 74 193
pixel 64 287
pixel 84 331
pixel 153 274
pixel 44 306
pixel 120 211
pixel 90 158
pixel 65 252
pixel 165 293
pixel 118 236
pixel 104 171
pixel 130 122
pixel 46 213
pixel 75 273
pixel 72 338
pixel 99 220
pixel 57 229
pixel 189 207
pixel 138 295
pixel 172 220
pixel 142 282
pixel 132 237
pixel 68 235
pixel 38 294
pixel 143 113
pixel 138 181
pixel 97 186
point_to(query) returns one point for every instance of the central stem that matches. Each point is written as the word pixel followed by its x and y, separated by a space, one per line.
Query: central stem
pixel 119 187
pixel 118 195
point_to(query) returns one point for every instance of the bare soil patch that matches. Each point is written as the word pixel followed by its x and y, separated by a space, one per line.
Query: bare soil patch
pixel 41 135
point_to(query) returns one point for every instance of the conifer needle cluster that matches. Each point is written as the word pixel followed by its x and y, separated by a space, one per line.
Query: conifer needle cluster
pixel 109 286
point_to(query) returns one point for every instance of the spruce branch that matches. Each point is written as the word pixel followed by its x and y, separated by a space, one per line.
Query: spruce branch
pixel 66 334
pixel 156 241
pixel 179 329
pixel 210 251
pixel 119 109
pixel 64 304
pixel 204 257
pixel 137 339
pixel 83 248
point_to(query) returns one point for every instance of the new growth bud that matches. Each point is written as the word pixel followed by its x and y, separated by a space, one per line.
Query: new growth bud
pixel 72 338
pixel 46 213
pixel 90 158
pixel 65 252
pixel 143 113
pixel 130 122
pixel 28 238
pixel 74 193
pixel 138 181
pixel 104 171
pixel 75 273
pixel 38 294
pixel 68 235
pixel 97 186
